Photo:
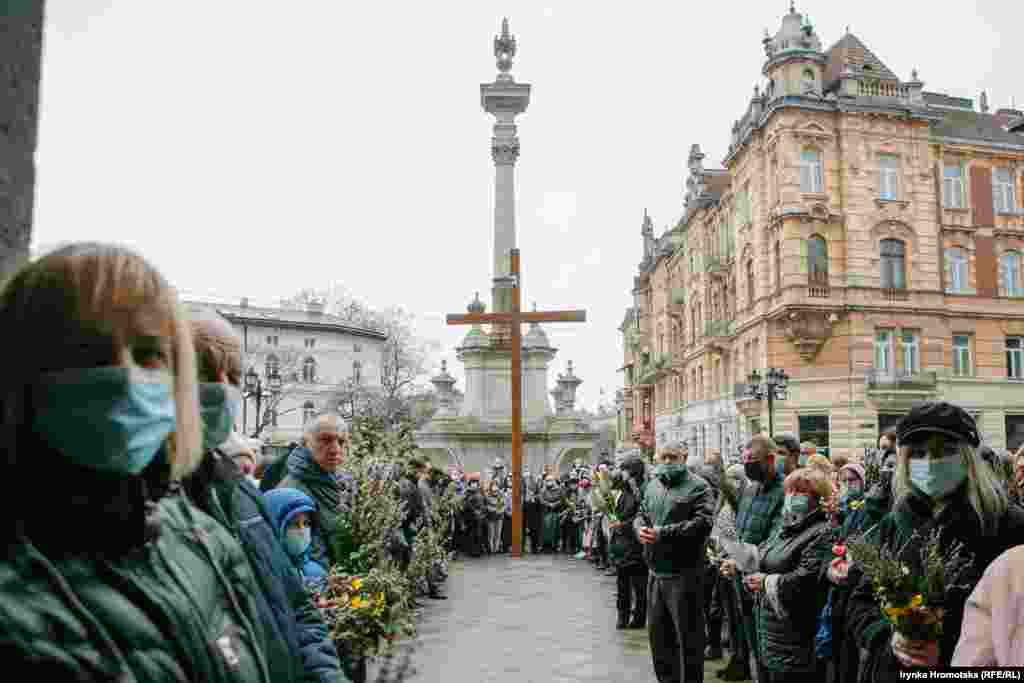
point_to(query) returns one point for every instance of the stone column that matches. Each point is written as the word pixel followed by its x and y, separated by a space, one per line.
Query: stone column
pixel 504 99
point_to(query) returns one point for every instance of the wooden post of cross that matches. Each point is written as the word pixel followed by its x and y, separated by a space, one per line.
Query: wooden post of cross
pixel 515 318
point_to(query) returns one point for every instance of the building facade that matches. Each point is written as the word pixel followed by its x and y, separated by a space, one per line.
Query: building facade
pixel 314 353
pixel 864 235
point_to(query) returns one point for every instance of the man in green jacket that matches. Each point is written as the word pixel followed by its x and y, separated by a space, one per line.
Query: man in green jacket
pixel 758 514
pixel 674 525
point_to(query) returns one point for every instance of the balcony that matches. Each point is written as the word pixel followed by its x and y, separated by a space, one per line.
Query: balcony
pixel 718 329
pixel 893 294
pixel 880 89
pixel 817 285
pixel 900 387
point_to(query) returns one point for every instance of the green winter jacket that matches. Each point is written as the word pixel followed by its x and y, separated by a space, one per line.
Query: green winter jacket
pixel 177 607
pixel 682 508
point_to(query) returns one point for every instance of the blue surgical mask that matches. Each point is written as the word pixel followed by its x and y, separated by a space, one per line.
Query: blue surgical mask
pixel 795 507
pixel 219 405
pixel 937 477
pixel 296 541
pixel 112 419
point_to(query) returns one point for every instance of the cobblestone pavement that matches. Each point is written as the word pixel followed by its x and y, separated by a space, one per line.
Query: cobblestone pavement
pixel 541 619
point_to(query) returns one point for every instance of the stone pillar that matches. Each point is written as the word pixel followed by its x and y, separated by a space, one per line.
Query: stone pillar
pixel 504 99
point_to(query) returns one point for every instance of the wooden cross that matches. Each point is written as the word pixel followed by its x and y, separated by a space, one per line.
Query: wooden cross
pixel 514 319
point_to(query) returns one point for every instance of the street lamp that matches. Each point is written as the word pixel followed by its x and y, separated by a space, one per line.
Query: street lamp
pixel 773 387
pixel 254 389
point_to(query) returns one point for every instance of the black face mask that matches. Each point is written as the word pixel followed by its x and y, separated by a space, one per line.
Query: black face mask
pixel 755 471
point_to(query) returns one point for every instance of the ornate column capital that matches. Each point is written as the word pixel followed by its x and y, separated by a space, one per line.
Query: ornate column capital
pixel 505 152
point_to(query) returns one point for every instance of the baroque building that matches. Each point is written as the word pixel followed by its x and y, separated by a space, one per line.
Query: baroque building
pixel 864 235
pixel 314 354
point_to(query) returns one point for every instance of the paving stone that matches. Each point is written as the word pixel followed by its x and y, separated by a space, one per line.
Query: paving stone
pixel 540 619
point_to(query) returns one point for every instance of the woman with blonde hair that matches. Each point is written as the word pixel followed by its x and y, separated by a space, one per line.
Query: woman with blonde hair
pixel 789 570
pixel 100 415
pixel 940 485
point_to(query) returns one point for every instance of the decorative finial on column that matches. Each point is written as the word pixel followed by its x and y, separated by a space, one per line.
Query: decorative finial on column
pixel 534 306
pixel 983 102
pixel 444 366
pixel 792 7
pixel 504 49
pixel 913 74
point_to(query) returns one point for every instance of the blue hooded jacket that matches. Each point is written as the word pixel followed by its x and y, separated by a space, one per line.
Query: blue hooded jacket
pixel 283 505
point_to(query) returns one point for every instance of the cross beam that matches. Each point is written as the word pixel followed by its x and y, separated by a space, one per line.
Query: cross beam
pixel 515 318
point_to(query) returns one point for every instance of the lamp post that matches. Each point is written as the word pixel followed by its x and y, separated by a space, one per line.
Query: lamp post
pixel 773 387
pixel 254 389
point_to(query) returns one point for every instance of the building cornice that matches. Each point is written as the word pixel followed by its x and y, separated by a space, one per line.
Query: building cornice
pixel 299 325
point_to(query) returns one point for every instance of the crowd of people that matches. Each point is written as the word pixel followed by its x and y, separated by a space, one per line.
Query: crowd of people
pixel 750 557
pixel 164 549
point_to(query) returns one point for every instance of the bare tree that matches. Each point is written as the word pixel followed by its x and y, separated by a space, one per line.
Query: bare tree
pixel 21 48
pixel 288 366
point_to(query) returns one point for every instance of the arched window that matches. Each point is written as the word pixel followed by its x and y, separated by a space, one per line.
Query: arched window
pixel 1009 274
pixel 956 269
pixel 809 82
pixel 817 265
pixel 273 366
pixel 309 371
pixel 894 274
pixel 308 411
pixel 750 282
pixel 357 371
pixel 811 181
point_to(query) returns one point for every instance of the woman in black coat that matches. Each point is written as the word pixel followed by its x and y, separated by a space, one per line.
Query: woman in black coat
pixel 790 584
pixel 625 552
pixel 939 484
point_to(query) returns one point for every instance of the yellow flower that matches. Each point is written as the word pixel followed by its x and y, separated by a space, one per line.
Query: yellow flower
pixel 916 600
pixel 358 602
pixel 856 504
pixel 896 612
pixel 380 598
pixel 357 584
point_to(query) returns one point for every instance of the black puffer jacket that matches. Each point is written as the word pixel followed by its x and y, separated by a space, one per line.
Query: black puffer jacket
pixel 796 555
pixel 956 522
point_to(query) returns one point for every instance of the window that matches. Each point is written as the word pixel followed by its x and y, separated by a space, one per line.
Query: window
pixel 357 371
pixel 1014 432
pixel 910 351
pixel 1009 274
pixel 956 260
pixel 808 81
pixel 810 172
pixel 953 186
pixel 814 428
pixel 962 364
pixel 309 371
pixel 1014 358
pixel 308 411
pixel 357 348
pixel 893 273
pixel 750 282
pixel 310 342
pixel 888 172
pixel 778 267
pixel 273 365
pixel 272 340
pixel 1003 195
pixel 883 350
pixel 817 265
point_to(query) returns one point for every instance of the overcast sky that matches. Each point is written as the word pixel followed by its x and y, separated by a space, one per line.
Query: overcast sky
pixel 253 148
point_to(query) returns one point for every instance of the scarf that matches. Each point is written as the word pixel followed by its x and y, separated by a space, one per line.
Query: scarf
pixel 326 488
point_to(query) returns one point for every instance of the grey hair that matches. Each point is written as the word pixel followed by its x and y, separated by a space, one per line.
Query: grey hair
pixel 314 426
pixel 984 492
